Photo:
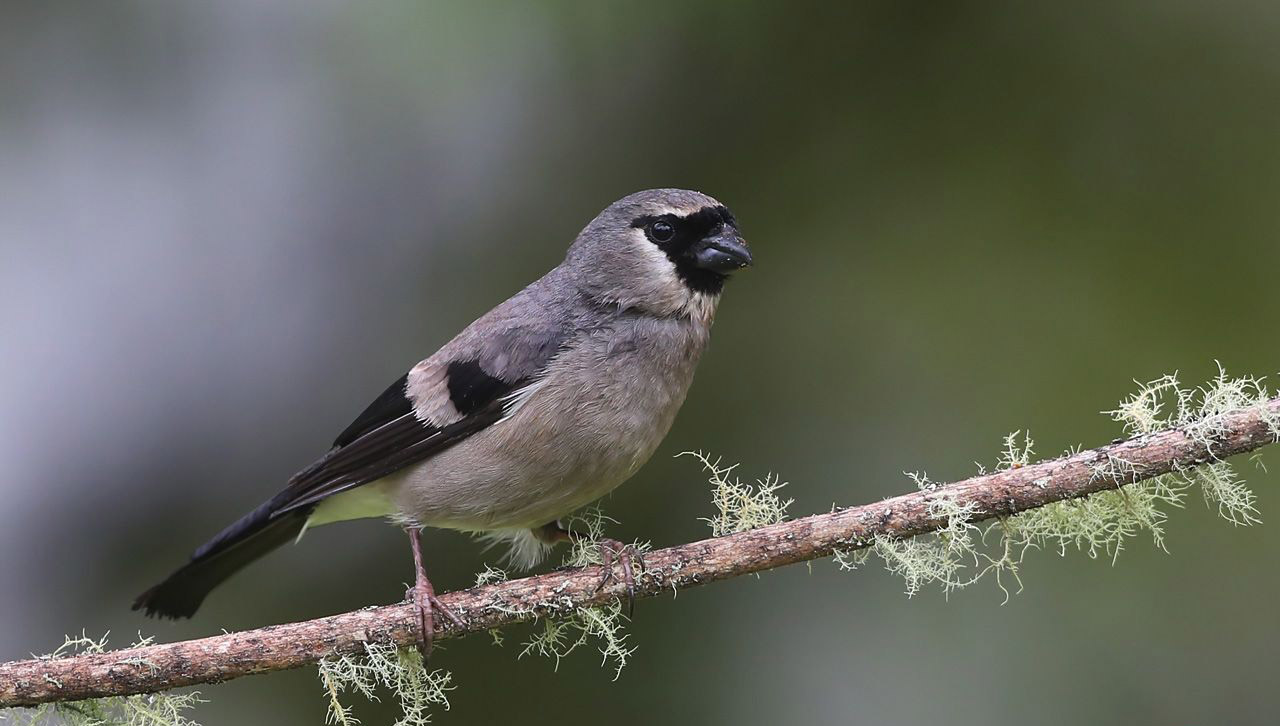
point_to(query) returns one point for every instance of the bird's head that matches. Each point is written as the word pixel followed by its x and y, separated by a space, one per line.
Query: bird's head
pixel 665 251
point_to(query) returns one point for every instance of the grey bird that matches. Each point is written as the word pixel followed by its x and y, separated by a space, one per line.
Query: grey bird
pixel 541 406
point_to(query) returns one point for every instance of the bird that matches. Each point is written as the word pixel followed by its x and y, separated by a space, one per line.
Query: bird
pixel 541 406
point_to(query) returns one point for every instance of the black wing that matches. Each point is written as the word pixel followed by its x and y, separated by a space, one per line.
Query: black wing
pixel 400 441
pixel 392 404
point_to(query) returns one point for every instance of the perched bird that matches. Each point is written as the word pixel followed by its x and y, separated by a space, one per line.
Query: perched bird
pixel 542 405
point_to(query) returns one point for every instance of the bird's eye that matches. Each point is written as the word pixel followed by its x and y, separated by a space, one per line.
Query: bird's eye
pixel 660 231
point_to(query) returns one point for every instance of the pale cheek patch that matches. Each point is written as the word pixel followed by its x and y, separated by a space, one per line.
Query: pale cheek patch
pixel 662 290
pixel 658 266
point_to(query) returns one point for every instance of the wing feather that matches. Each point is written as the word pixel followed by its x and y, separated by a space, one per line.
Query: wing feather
pixel 385 450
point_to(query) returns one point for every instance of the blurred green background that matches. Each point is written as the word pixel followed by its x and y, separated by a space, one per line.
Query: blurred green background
pixel 225 226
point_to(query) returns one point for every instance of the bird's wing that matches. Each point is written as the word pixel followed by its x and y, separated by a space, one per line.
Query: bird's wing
pixel 471 384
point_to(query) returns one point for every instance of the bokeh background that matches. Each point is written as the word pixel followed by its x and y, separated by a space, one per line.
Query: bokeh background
pixel 225 226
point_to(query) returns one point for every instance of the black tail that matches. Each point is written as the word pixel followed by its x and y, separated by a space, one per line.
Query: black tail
pixel 251 537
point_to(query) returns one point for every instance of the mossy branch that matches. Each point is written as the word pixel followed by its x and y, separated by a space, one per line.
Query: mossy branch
pixel 1022 487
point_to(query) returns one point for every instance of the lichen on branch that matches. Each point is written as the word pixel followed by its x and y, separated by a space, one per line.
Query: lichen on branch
pixel 150 709
pixel 959 553
pixel 1093 500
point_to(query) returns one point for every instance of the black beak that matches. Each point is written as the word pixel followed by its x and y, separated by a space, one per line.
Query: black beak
pixel 723 253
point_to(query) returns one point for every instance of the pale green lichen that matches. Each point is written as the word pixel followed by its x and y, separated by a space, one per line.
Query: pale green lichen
pixel 1101 523
pixel 1225 490
pixel 490 575
pixel 1201 412
pixel 384 667
pixel 958 555
pixel 152 709
pixel 1016 455
pixel 945 557
pixel 741 507
pixel 556 638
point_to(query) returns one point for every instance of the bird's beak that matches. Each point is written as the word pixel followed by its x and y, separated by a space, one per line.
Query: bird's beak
pixel 723 253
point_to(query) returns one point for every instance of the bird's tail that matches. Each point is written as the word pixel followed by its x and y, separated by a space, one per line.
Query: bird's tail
pixel 249 538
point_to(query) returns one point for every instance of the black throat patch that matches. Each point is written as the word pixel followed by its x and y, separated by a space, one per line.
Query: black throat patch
pixel 689 231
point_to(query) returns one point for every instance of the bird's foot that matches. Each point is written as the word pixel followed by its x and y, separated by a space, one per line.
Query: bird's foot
pixel 430 610
pixel 627 556
pixel 610 549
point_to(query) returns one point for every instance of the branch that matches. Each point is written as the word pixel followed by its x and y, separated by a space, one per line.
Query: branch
pixel 223 657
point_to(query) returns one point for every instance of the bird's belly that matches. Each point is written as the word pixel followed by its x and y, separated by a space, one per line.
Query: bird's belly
pixel 500 479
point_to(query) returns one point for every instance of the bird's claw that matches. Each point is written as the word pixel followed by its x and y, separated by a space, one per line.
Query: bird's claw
pixel 627 555
pixel 421 598
pixel 430 611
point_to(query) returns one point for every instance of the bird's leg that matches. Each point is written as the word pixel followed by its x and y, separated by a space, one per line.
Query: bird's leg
pixel 424 596
pixel 626 555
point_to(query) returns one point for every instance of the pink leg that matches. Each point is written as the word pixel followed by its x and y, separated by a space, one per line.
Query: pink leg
pixel 424 596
